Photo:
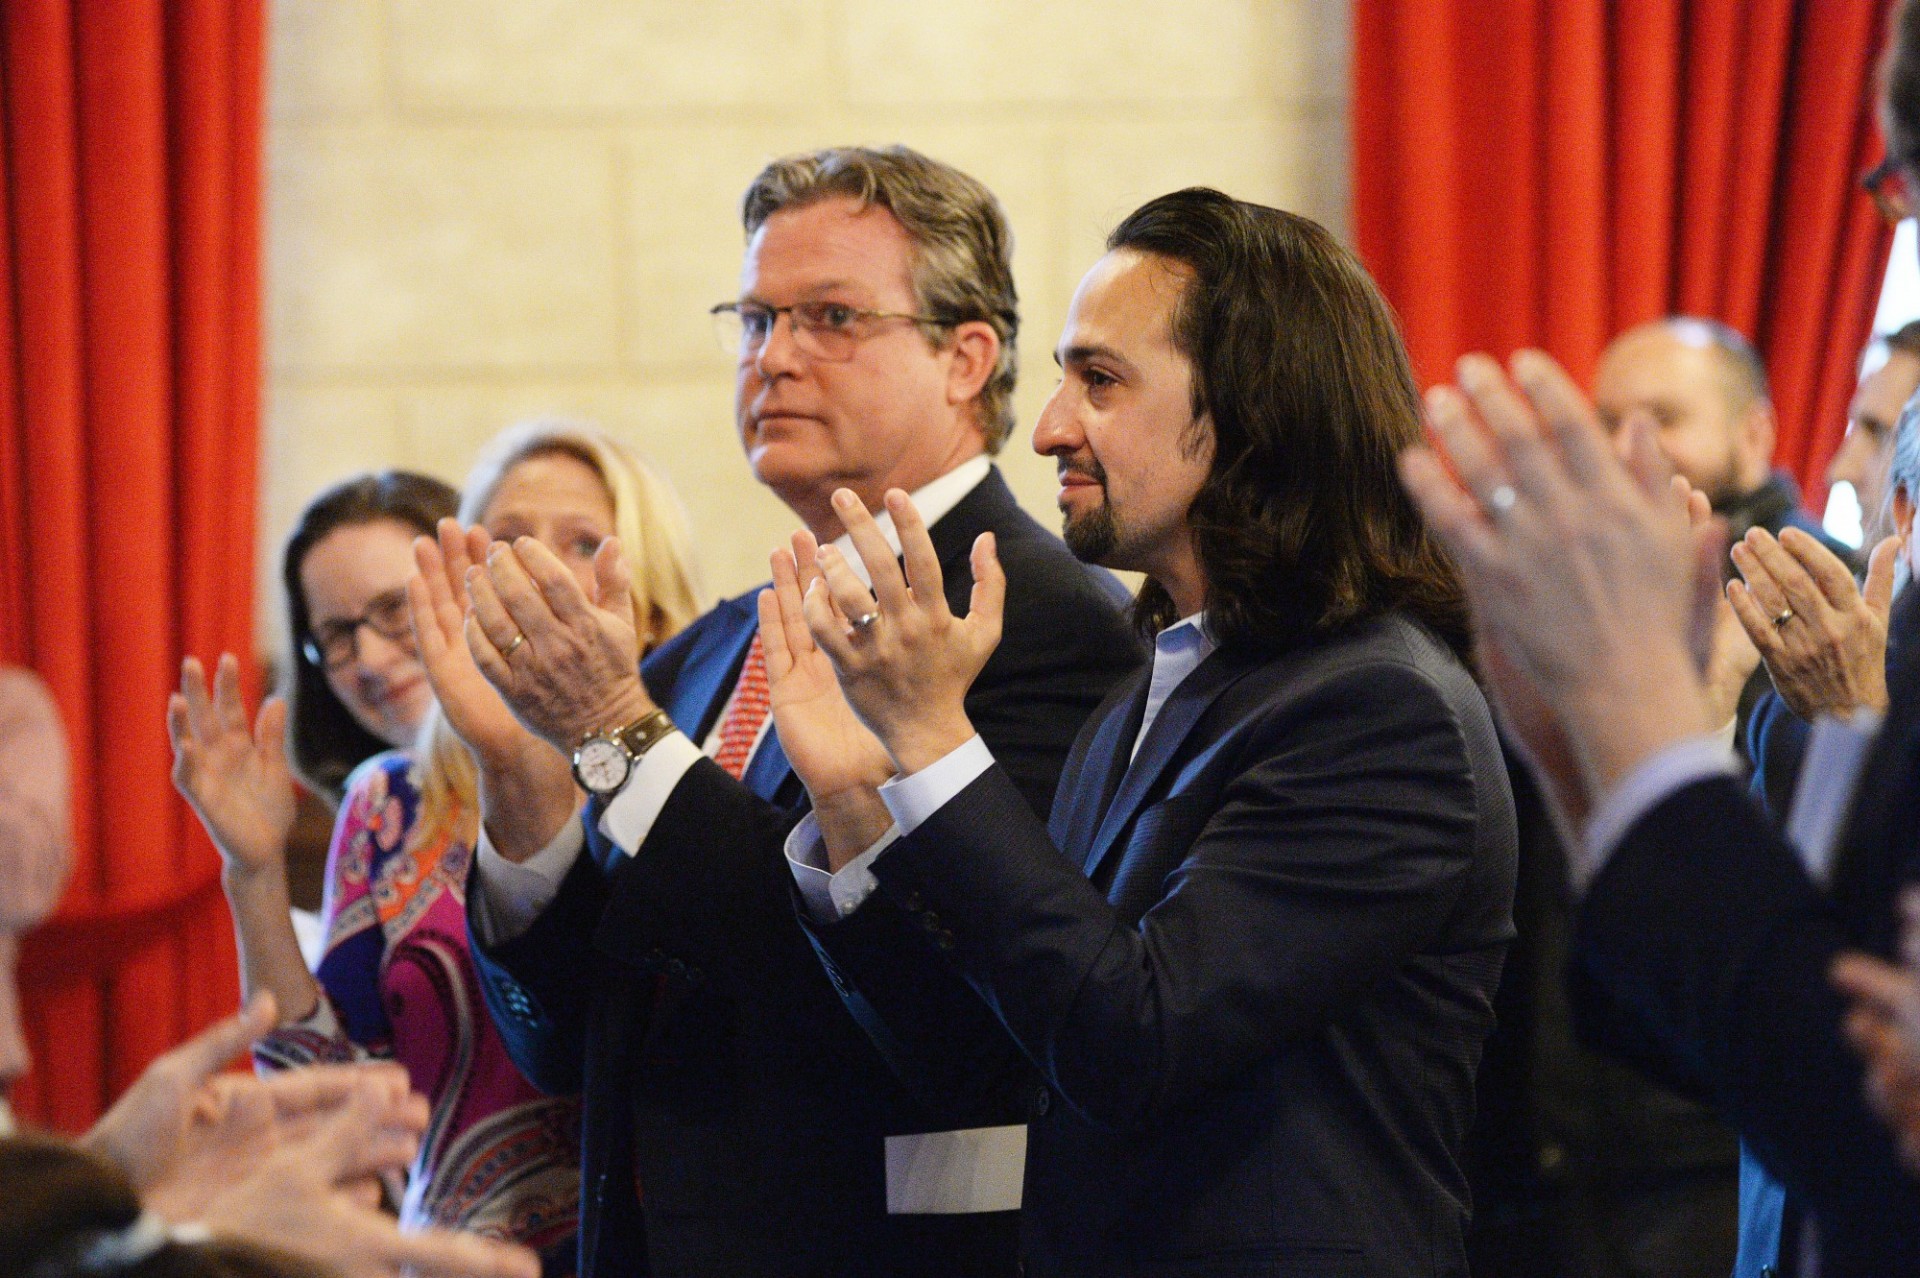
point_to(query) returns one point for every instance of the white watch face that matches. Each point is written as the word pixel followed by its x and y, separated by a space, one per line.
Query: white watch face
pixel 601 765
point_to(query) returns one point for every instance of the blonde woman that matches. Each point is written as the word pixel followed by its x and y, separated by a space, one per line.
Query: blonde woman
pixel 396 980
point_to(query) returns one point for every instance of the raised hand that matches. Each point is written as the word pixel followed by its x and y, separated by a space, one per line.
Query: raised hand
pixel 1585 569
pixel 1823 639
pixel 236 778
pixel 904 660
pixel 147 1132
pixel 309 1197
pixel 437 595
pixel 238 1120
pixel 841 763
pixel 567 665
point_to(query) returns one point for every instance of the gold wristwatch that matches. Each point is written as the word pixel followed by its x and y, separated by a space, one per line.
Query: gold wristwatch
pixel 603 762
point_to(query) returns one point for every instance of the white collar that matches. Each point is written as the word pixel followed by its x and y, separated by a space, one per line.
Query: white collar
pixel 933 500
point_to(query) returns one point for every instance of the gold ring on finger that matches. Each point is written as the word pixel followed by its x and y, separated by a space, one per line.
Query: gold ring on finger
pixel 513 644
pixel 1786 615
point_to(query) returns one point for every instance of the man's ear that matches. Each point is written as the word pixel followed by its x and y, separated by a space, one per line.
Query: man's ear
pixel 975 348
pixel 1757 430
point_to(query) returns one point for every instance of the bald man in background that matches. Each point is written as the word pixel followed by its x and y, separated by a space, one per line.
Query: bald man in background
pixel 1705 389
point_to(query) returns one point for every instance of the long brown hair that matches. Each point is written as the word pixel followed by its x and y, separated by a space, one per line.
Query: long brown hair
pixel 1301 525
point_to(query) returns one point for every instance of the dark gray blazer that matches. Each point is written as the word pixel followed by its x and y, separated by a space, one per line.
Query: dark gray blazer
pixel 1248 975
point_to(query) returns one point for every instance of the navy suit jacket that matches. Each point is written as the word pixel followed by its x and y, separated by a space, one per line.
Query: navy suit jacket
pixel 679 993
pixel 1248 976
pixel 1702 951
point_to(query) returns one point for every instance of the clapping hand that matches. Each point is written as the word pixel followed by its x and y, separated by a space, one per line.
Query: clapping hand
pixel 840 762
pixel 567 664
pixel 315 1195
pixel 1823 639
pixel 236 778
pixel 903 659
pixel 1583 571
pixel 437 594
pixel 185 1132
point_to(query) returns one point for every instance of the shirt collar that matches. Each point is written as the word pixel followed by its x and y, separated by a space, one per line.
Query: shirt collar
pixel 933 500
pixel 1187 635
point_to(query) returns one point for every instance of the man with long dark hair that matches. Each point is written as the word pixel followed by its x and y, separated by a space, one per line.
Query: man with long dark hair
pixel 1248 966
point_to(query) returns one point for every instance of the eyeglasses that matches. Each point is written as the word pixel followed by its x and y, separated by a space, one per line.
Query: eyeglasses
pixel 337 643
pixel 1891 192
pixel 824 330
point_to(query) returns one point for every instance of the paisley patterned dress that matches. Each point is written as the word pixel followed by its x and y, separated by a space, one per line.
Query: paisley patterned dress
pixel 498 1157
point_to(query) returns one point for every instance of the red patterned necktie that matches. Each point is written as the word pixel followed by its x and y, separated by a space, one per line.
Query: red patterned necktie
pixel 741 727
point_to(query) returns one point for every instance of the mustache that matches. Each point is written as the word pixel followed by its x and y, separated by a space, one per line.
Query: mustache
pixel 1089 469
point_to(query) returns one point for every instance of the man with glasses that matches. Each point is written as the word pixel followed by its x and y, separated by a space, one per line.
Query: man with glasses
pixel 660 969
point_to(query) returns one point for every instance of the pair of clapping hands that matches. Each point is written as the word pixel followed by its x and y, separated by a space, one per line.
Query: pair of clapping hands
pixel 1602 630
pixel 517 653
pixel 1592 582
pixel 291 1161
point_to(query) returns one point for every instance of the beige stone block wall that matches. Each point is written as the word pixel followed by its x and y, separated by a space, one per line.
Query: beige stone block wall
pixel 485 210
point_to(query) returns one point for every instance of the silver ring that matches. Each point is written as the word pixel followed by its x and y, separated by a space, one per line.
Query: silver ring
pixel 513 645
pixel 864 620
pixel 1785 616
pixel 1501 499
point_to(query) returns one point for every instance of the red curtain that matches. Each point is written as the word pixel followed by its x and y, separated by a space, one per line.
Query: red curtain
pixel 1550 172
pixel 129 387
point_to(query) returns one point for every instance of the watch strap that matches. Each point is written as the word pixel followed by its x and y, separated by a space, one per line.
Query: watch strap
pixel 643 733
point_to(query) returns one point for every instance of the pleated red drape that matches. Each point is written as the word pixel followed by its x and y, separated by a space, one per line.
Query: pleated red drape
pixel 1550 172
pixel 129 387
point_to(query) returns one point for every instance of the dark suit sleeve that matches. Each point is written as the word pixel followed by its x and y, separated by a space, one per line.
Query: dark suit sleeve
pixel 1339 845
pixel 708 886
pixel 1705 930
pixel 533 983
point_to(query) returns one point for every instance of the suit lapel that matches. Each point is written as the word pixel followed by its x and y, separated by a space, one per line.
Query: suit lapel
pixel 768 769
pixel 1095 766
pixel 1182 710
pixel 707 678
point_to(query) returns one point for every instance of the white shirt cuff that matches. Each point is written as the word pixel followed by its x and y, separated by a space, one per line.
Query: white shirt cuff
pixel 1645 788
pixel 830 897
pixel 628 817
pixel 512 893
pixel 914 798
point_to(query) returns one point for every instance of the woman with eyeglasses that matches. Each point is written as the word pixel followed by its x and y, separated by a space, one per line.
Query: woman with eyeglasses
pixel 396 980
pixel 355 686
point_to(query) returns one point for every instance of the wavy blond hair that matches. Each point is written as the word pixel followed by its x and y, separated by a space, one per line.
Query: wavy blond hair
pixel 654 541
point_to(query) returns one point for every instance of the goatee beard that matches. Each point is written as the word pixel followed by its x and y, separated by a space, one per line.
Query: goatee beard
pixel 1091 537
